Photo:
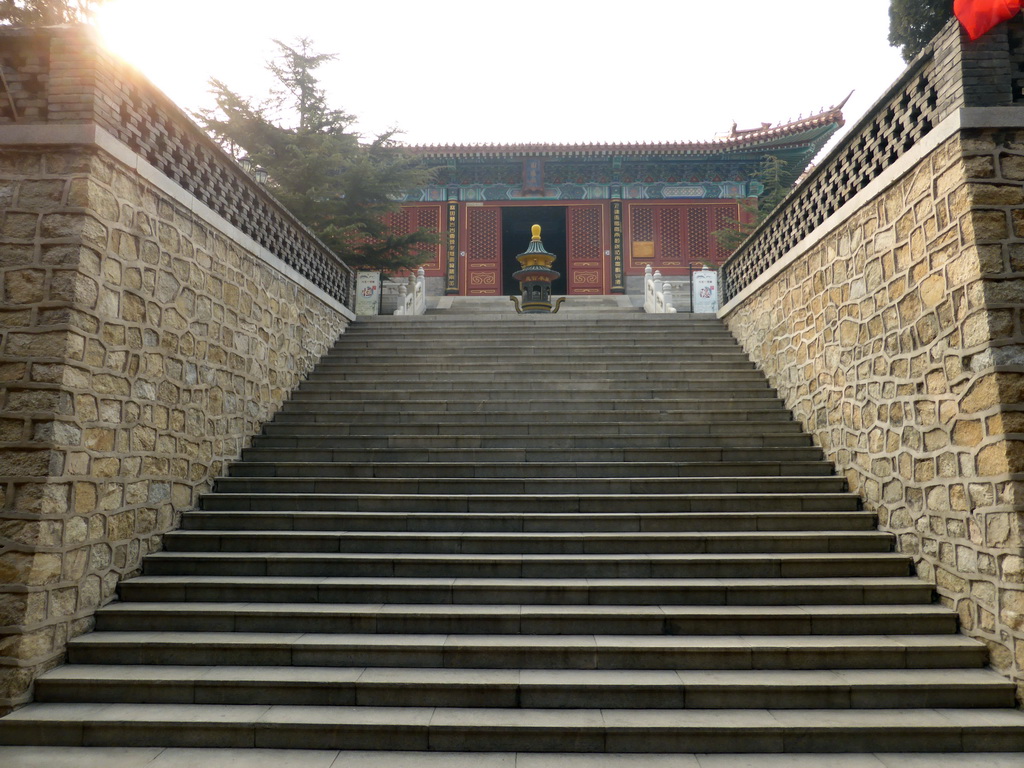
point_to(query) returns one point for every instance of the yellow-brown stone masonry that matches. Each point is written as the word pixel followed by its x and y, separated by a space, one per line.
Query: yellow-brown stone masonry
pixel 898 341
pixel 140 349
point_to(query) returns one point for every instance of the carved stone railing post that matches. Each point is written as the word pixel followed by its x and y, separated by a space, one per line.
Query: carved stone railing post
pixel 413 295
pixel 657 293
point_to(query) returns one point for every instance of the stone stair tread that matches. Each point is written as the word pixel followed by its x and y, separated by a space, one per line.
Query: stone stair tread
pixel 649 536
pixel 161 757
pixel 639 565
pixel 467 618
pixel 574 591
pixel 879 678
pixel 566 469
pixel 518 609
pixel 597 730
pixel 529 455
pixel 549 688
pixel 783 424
pixel 209 640
pixel 553 415
pixel 541 483
pixel 261 520
pixel 567 502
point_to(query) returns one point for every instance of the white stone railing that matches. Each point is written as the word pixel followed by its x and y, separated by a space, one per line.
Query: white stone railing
pixel 657 293
pixel 412 298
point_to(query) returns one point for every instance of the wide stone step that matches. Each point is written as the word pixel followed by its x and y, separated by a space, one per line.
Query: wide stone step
pixel 532 503
pixel 442 408
pixel 511 418
pixel 562 469
pixel 506 566
pixel 517 730
pixel 551 375
pixel 531 485
pixel 541 429
pixel 529 651
pixel 528 689
pixel 560 443
pixel 724 591
pixel 470 353
pixel 571 365
pixel 481 394
pixel 375 618
pixel 450 543
pixel 182 757
pixel 473 345
pixel 530 327
pixel 494 522
pixel 524 329
pixel 630 457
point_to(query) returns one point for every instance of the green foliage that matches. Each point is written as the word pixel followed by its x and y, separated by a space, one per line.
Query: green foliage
pixel 778 180
pixel 37 13
pixel 340 186
pixel 913 23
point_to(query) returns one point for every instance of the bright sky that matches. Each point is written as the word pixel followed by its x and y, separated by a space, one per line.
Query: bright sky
pixel 482 71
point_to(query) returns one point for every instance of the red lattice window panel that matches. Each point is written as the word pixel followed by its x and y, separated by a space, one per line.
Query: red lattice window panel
pixel 671 245
pixel 700 238
pixel 585 242
pixel 643 224
pixel 428 219
pixel 484 234
pixel 725 218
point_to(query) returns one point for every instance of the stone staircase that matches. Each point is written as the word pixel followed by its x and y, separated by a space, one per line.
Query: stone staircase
pixel 598 534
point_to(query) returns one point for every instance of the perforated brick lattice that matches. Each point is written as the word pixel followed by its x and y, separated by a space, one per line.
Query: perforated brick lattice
pixel 54 78
pixel 177 150
pixel 946 76
pixel 891 131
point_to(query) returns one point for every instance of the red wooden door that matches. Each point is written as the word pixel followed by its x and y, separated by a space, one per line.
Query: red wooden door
pixel 483 252
pixel 585 257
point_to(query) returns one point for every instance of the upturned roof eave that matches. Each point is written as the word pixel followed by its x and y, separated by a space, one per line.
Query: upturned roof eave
pixel 805 132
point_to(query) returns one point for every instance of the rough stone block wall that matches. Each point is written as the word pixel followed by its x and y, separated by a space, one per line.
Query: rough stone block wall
pixel 898 341
pixel 140 348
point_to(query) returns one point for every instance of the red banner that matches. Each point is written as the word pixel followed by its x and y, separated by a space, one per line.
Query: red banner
pixel 979 16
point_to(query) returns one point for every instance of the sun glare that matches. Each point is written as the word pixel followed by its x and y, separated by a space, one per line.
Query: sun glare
pixel 127 28
pixel 177 50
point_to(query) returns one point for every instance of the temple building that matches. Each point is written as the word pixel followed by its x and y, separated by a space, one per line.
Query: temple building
pixel 607 210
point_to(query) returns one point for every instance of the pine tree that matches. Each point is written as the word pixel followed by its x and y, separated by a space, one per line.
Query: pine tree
pixel 913 23
pixel 340 186
pixel 33 13
pixel 778 180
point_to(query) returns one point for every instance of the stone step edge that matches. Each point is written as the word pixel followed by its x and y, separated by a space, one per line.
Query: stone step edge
pixel 209 757
pixel 846 688
pixel 467 729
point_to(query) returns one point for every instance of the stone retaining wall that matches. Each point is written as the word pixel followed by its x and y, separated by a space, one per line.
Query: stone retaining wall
pixel 897 337
pixel 143 340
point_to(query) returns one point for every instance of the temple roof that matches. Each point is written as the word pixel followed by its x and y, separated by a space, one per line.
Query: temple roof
pixel 804 136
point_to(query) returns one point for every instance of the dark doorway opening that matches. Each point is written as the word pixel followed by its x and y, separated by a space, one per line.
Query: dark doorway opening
pixel 515 238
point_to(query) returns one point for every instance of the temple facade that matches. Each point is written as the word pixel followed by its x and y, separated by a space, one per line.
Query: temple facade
pixel 607 210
